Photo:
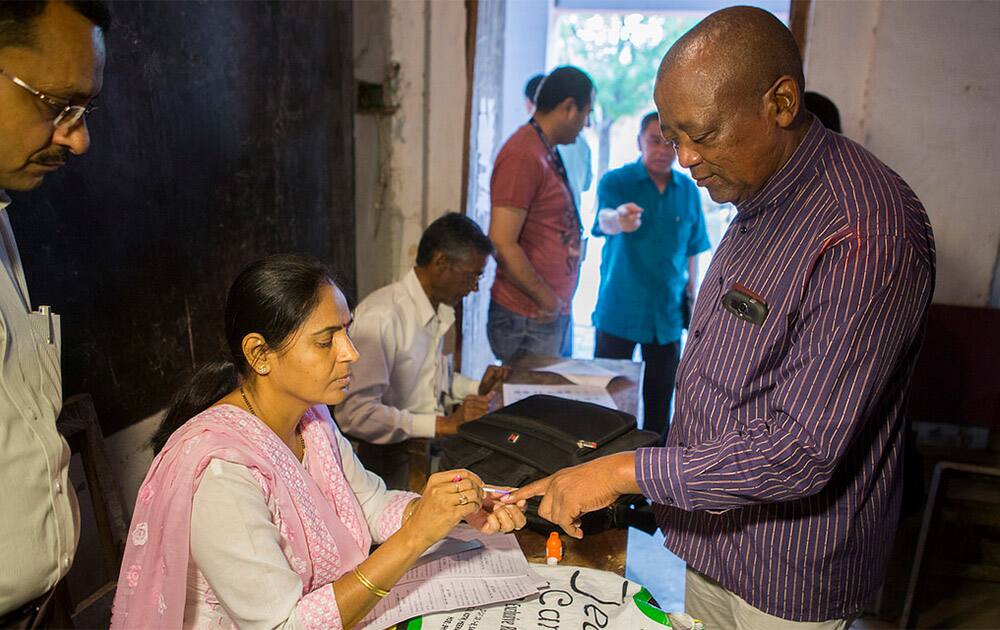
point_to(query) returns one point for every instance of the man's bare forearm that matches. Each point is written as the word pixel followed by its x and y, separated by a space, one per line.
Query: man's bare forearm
pixel 522 274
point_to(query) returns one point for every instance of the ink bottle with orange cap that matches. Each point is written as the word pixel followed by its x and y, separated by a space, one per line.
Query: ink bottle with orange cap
pixel 553 549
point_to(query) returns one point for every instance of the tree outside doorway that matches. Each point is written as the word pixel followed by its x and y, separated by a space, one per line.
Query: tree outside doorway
pixel 621 53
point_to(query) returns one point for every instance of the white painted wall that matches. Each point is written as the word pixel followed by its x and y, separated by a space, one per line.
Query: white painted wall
pixel 526 30
pixel 917 84
pixel 371 149
pixel 408 163
pixel 445 113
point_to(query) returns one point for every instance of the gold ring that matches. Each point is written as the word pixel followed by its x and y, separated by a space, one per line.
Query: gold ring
pixel 458 488
pixel 462 499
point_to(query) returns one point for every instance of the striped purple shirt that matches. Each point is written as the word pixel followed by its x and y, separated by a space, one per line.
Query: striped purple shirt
pixel 782 473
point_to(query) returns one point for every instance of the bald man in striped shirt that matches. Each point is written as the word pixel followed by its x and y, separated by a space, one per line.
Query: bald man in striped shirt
pixel 781 478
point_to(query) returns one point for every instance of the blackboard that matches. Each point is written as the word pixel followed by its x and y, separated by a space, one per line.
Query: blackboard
pixel 224 134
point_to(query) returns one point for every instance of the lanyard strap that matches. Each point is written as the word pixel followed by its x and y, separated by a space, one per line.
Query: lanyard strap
pixel 559 166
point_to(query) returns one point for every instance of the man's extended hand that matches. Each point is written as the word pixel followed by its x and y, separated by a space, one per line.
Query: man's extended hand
pixel 572 492
pixel 493 377
pixel 473 408
pixel 623 219
pixel 629 217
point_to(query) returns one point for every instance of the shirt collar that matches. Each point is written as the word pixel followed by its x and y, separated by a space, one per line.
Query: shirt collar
pixel 799 168
pixel 425 311
pixel 640 173
pixel 4 199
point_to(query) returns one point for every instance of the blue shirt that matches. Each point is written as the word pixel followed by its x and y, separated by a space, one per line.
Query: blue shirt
pixel 644 273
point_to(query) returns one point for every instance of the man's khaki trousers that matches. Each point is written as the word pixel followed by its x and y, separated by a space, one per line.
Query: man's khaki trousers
pixel 719 609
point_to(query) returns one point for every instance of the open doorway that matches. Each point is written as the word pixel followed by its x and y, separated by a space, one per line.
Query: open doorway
pixel 620 44
pixel 621 52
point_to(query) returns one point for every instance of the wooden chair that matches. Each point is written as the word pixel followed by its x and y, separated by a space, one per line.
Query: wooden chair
pixel 79 425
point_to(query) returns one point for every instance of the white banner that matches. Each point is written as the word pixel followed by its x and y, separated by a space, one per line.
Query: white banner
pixel 577 599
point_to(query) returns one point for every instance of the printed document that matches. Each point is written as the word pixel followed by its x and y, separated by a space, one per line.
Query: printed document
pixel 494 573
pixel 513 392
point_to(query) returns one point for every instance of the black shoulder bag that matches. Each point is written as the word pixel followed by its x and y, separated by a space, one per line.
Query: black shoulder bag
pixel 540 435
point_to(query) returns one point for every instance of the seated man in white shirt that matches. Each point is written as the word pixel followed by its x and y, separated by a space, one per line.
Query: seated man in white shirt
pixel 402 386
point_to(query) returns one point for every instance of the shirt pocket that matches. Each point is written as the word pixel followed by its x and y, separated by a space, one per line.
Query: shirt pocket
pixel 754 298
pixel 47 331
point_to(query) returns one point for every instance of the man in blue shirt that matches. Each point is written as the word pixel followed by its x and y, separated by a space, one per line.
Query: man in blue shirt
pixel 651 217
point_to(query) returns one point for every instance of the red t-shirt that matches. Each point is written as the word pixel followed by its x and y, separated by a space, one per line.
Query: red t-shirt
pixel 524 176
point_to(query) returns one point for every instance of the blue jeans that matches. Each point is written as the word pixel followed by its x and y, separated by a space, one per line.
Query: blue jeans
pixel 513 336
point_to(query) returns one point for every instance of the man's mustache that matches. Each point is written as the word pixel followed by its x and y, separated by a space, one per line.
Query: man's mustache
pixel 56 156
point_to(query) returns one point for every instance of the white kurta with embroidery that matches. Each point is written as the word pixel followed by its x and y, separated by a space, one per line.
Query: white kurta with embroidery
pixel 238 573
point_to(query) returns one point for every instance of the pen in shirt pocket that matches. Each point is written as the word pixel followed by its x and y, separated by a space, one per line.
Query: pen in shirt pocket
pixel 46 310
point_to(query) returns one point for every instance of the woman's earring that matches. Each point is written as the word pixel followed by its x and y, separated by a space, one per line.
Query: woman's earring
pixel 263 369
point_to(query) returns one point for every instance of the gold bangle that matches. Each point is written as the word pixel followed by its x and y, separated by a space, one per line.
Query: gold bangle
pixel 368 584
pixel 411 507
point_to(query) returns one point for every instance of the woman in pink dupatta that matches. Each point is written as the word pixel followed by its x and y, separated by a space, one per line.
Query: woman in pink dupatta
pixel 255 512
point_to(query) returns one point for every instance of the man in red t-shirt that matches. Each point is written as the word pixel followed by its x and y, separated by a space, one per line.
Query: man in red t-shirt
pixel 535 225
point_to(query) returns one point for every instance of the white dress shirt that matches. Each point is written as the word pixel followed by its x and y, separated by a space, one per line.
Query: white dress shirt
pixel 40 525
pixel 402 381
pixel 239 573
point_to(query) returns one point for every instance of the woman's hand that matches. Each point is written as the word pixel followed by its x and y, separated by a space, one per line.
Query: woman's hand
pixel 448 497
pixel 495 516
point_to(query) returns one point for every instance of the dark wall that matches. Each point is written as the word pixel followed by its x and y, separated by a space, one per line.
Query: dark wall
pixel 224 134
pixel 957 377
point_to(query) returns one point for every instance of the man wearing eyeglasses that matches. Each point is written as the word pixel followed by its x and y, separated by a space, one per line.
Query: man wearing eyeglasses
pixel 402 385
pixel 51 68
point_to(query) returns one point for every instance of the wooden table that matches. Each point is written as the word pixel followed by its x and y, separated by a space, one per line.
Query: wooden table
pixel 605 551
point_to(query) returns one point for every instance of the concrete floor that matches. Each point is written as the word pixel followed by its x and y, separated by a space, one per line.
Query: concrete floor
pixel 649 563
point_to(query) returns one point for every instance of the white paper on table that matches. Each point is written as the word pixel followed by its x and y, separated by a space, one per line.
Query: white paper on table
pixel 581 373
pixel 498 572
pixel 447 546
pixel 513 392
pixel 471 564
pixel 420 598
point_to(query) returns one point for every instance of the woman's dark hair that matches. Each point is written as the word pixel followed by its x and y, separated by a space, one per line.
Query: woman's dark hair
pixel 562 83
pixel 271 297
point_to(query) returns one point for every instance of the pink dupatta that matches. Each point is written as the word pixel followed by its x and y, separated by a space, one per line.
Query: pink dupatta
pixel 320 518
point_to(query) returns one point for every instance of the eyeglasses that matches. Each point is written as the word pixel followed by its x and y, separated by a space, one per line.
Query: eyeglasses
pixel 469 275
pixel 66 117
